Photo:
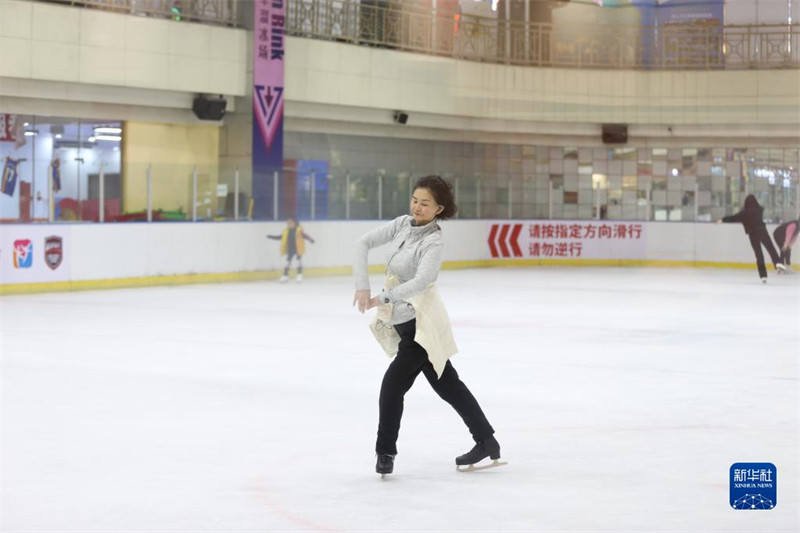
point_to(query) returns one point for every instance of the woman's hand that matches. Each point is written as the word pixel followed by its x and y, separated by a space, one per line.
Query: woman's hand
pixel 364 301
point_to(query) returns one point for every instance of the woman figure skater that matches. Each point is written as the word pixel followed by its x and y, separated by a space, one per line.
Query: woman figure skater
pixel 413 324
pixel 293 245
pixel 751 217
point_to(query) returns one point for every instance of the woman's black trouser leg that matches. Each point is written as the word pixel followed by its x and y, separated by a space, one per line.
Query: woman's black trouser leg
pixel 755 242
pixel 399 377
pixel 452 390
pixel 412 359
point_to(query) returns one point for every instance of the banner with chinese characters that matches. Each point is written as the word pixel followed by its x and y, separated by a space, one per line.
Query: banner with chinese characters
pixel 268 77
pixel 580 239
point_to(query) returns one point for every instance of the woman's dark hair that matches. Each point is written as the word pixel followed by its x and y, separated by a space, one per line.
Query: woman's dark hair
pixel 442 192
pixel 750 202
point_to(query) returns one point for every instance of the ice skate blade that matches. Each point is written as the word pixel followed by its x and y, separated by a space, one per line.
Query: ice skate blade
pixel 472 468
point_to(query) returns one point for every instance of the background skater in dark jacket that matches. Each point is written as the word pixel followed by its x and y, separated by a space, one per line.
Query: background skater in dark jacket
pixel 751 216
pixel 785 237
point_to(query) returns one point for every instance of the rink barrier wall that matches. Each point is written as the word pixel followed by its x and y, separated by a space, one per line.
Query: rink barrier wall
pixel 240 277
pixel 66 257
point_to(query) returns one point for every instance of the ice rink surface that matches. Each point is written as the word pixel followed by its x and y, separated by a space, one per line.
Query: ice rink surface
pixel 621 398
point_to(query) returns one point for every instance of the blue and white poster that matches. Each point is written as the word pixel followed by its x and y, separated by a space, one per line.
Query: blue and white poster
pixel 753 486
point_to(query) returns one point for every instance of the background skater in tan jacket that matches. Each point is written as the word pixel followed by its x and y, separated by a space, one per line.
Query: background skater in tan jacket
pixel 412 322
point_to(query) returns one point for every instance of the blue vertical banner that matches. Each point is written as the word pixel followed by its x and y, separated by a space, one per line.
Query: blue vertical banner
pixel 268 76
pixel 10 174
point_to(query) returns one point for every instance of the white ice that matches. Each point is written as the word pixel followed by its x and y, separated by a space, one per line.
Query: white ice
pixel 621 397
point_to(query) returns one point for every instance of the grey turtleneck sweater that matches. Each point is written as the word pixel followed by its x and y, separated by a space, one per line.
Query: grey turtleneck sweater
pixel 415 256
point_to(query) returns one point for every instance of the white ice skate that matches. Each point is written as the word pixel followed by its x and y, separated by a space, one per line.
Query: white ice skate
pixel 781 268
pixel 299 278
pixel 284 279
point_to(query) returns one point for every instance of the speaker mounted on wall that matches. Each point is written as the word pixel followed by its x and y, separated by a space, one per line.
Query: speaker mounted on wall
pixel 615 133
pixel 400 117
pixel 209 108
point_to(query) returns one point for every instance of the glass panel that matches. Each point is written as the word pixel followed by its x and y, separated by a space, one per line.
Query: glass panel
pixel 467 196
pixel 363 196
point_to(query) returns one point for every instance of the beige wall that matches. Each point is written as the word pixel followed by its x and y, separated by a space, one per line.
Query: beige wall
pixel 46 41
pixel 172 151
pixel 329 73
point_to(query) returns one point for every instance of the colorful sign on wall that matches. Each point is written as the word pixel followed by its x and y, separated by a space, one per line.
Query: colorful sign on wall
pixel 34 253
pixel 268 77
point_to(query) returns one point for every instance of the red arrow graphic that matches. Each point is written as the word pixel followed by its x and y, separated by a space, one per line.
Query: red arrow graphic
pixel 503 235
pixel 514 243
pixel 492 235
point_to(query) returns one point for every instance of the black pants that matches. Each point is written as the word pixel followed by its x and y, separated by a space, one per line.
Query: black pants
pixel 780 239
pixel 758 237
pixel 289 258
pixel 411 359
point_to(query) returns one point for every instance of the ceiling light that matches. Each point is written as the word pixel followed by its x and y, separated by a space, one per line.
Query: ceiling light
pixel 91 139
pixel 107 129
pixel 31 133
pixel 116 138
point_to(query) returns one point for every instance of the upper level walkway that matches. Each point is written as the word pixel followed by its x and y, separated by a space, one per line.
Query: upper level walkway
pixel 217 12
pixel 692 46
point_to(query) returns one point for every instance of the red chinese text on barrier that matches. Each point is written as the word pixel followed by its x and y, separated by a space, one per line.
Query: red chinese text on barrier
pixel 557 249
pixel 585 231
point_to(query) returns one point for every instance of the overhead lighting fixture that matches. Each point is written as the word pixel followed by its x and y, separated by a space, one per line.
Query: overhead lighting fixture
pixel 91 139
pixel 116 138
pixel 31 133
pixel 107 129
pixel 58 135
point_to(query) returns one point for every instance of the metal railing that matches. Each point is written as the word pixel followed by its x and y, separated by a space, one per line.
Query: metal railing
pixel 467 37
pixel 220 12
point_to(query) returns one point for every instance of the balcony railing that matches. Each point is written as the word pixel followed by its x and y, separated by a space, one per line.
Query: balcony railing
pixel 220 12
pixel 680 46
